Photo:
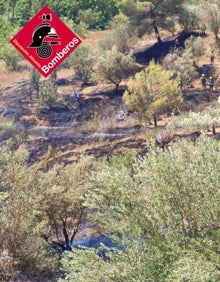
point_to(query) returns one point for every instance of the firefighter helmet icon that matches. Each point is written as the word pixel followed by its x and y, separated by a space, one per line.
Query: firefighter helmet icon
pixel 44 36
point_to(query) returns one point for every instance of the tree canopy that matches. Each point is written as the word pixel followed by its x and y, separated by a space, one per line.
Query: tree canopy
pixel 153 92
pixel 165 206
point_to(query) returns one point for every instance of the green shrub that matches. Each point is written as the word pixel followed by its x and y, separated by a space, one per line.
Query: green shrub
pixel 10 57
pixel 48 94
pixel 82 60
pixel 165 206
pixel 81 29
pixel 34 78
pixel 88 17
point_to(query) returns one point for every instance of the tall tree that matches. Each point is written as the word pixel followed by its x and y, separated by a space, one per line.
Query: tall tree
pixel 148 16
pixel 212 16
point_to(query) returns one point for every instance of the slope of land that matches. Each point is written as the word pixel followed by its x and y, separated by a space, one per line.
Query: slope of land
pixel 96 127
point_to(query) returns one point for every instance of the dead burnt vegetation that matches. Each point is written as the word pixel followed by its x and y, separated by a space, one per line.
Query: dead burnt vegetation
pixel 159 50
pixel 66 128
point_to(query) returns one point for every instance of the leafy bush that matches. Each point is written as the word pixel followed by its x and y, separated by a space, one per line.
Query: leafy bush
pixel 211 14
pixel 114 66
pixel 34 78
pixel 205 119
pixel 81 29
pixel 22 247
pixel 165 206
pixel 121 36
pixel 189 16
pixel 153 92
pixel 196 45
pixel 82 60
pixel 48 94
pixel 7 129
pixel 181 63
pixel 10 57
pixel 88 17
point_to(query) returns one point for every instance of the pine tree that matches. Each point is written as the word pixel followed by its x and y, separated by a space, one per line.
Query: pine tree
pixel 153 92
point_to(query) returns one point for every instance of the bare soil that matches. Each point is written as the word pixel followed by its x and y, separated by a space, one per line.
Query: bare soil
pixel 64 128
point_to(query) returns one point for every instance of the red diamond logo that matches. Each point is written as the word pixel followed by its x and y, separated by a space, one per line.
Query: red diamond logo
pixel 45 41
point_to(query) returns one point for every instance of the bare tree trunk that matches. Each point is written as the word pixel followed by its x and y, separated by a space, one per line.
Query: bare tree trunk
pixel 65 234
pixel 155 27
pixel 213 130
pixel 155 121
pixel 78 225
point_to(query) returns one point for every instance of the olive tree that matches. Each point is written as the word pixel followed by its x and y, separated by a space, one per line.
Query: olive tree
pixel 163 210
pixel 62 201
pixel 82 61
pixel 212 16
pixel 182 65
pixel 120 36
pixel 114 66
pixel 22 247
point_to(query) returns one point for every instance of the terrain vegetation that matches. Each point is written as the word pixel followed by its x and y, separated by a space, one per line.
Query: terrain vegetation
pixel 135 158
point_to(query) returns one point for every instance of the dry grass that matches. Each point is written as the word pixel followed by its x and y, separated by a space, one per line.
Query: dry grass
pixel 8 78
pixel 94 37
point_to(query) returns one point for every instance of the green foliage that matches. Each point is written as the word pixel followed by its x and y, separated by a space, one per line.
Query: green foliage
pixel 149 16
pixel 34 78
pixel 7 52
pixel 7 129
pixel 22 12
pixel 17 140
pixel 82 60
pixel 64 8
pixel 10 57
pixel 120 36
pixel 48 94
pixel 137 13
pixel 114 66
pixel 189 16
pixel 160 204
pixel 36 209
pixel 205 119
pixel 73 261
pixel 62 201
pixel 153 92
pixel 2 7
pixel 81 29
pixel 182 64
pixel 192 267
pixel 88 17
pixel 6 31
pixel 104 10
pixel 22 249
pixel 211 13
pixel 196 45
